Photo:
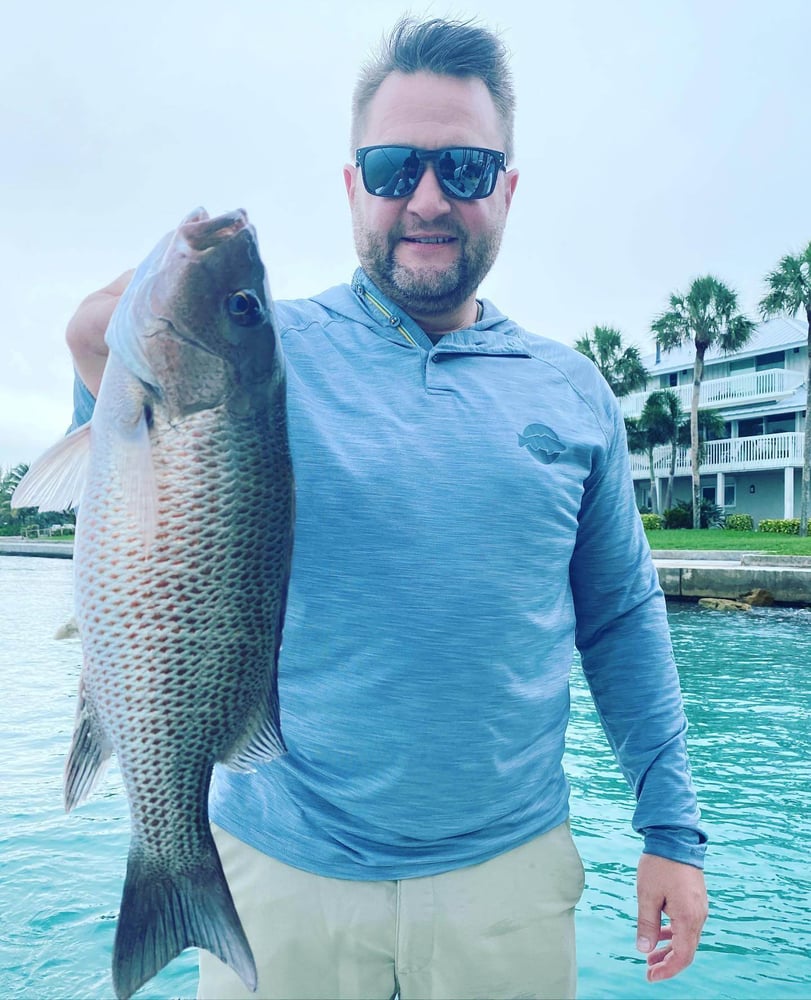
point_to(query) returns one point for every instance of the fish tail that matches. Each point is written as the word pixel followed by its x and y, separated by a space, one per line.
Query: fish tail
pixel 163 912
pixel 522 440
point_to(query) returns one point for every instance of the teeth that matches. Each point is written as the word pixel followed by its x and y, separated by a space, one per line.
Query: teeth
pixel 430 239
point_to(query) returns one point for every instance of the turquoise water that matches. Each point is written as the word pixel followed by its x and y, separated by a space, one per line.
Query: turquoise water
pixel 748 696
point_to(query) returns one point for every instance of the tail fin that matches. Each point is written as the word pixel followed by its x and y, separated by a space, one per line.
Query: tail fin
pixel 163 912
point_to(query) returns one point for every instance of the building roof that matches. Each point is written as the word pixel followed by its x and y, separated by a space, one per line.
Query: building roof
pixel 773 335
pixel 786 404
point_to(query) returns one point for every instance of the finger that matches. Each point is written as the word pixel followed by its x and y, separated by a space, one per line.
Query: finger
pixel 664 963
pixel 648 927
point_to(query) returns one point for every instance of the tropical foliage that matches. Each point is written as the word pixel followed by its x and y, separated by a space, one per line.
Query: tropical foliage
pixel 662 416
pixel 708 316
pixel 790 292
pixel 643 440
pixel 681 515
pixel 620 365
pixel 663 422
pixel 739 522
pixel 18 521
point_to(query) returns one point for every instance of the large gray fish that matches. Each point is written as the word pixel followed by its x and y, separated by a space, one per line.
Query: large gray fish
pixel 184 486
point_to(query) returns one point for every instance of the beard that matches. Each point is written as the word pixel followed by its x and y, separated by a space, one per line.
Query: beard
pixel 426 291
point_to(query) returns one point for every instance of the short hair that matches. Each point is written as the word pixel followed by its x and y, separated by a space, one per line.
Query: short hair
pixel 448 48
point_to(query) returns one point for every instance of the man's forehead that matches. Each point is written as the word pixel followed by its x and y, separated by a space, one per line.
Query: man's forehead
pixel 431 110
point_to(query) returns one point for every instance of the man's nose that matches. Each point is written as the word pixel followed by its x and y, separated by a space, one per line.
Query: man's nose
pixel 428 200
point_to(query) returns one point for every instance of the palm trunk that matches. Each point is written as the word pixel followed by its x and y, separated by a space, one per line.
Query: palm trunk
pixel 654 506
pixel 805 490
pixel 672 474
pixel 698 374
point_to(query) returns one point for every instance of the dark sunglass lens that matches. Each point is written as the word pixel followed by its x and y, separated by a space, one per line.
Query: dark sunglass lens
pixel 391 171
pixel 467 173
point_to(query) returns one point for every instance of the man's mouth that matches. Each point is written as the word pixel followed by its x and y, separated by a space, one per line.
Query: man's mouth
pixel 430 239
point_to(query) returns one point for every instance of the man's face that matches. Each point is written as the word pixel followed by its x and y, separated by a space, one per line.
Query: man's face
pixel 429 252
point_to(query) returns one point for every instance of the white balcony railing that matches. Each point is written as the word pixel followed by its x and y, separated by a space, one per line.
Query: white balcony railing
pixel 752 387
pixel 744 454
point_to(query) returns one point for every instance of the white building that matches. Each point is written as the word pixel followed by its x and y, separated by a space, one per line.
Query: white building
pixel 760 392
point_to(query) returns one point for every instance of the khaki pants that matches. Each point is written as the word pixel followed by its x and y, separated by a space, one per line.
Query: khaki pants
pixel 503 928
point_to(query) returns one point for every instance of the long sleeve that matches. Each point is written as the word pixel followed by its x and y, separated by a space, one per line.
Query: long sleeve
pixel 83 404
pixel 624 641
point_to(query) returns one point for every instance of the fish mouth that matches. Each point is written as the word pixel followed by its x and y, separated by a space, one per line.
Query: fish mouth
pixel 202 233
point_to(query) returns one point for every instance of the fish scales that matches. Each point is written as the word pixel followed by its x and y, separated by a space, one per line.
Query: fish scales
pixel 181 561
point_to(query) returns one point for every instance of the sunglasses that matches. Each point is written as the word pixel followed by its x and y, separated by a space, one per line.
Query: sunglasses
pixel 463 172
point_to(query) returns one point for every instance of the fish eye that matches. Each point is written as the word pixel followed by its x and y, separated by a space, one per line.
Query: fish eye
pixel 245 307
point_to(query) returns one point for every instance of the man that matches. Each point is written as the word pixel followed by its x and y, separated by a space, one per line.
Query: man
pixel 464 512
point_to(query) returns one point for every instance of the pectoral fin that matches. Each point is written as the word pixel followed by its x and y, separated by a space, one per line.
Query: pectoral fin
pixel 56 479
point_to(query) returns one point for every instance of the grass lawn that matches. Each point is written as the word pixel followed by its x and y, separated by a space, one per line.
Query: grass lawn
pixel 718 538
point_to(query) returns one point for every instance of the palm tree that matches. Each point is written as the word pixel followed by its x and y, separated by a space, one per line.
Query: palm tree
pixel 620 366
pixel 789 292
pixel 644 435
pixel 711 426
pixel 639 444
pixel 708 315
pixel 9 481
pixel 662 414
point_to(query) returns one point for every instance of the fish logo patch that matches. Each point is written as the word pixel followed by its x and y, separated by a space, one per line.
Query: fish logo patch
pixel 541 443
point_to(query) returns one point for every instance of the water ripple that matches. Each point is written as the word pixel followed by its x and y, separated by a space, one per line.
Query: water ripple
pixel 747 692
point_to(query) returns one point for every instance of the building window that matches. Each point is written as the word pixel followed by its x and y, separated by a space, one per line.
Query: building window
pixel 741 365
pixel 730 494
pixel 776 359
pixel 750 428
pixel 780 423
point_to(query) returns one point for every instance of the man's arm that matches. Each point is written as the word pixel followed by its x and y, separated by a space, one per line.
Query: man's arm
pixel 624 641
pixel 86 329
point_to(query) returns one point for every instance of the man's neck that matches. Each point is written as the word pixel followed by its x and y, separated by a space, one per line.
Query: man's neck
pixel 466 316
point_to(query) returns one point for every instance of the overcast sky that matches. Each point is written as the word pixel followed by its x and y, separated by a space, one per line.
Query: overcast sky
pixel 656 141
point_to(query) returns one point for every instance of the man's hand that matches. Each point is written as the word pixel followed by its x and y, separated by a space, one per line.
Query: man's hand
pixel 86 329
pixel 665 886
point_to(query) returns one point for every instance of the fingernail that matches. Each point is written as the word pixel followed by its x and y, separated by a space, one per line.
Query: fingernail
pixel 643 944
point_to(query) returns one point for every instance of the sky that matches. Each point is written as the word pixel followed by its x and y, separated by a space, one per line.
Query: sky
pixel 656 141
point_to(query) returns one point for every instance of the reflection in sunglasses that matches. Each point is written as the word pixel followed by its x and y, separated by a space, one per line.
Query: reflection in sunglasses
pixel 463 172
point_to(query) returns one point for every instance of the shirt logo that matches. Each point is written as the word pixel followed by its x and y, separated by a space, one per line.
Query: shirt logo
pixel 541 443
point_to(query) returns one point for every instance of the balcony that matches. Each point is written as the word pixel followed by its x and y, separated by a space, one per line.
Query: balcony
pixel 753 387
pixel 743 454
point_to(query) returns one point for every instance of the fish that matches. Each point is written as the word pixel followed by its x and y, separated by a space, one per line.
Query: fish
pixel 542 443
pixel 183 483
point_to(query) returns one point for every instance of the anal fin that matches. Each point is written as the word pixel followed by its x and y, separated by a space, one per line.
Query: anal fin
pixel 266 743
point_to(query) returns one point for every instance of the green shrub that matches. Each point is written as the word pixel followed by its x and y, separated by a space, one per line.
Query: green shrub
pixel 681 516
pixel 781 526
pixel 651 522
pixel 739 522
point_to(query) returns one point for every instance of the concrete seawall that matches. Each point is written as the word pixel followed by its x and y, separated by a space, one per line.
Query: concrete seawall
pixel 683 575
pixel 691 575
pixel 34 547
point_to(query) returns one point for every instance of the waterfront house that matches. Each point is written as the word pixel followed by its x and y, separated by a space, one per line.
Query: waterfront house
pixel 760 392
